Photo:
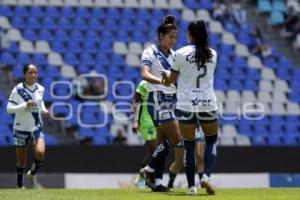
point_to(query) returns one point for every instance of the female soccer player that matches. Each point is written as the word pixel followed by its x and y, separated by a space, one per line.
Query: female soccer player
pixel 143 123
pixel 194 67
pixel 26 102
pixel 162 98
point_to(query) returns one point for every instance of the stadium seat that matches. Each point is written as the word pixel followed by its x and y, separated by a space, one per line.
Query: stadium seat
pixel 36 11
pixel 264 6
pixel 279 6
pixel 258 140
pixel 276 18
pixel 274 140
pixel 109 38
pixel 50 139
pixel 242 140
pixel 99 140
pixel 291 140
pixel 52 11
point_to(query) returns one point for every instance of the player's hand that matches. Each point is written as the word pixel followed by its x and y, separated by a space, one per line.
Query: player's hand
pixel 165 78
pixel 30 103
pixel 134 127
pixel 46 114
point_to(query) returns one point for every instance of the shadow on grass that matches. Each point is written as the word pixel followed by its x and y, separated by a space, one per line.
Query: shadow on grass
pixel 173 193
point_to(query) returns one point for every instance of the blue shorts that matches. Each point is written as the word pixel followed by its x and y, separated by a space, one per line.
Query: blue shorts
pixel 24 138
pixel 161 107
pixel 186 117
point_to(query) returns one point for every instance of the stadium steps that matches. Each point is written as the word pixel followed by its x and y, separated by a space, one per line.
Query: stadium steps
pixel 271 34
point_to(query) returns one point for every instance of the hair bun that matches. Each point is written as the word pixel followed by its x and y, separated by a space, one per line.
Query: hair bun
pixel 170 19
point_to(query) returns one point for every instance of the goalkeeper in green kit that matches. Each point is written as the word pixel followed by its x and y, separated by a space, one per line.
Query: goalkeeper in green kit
pixel 143 124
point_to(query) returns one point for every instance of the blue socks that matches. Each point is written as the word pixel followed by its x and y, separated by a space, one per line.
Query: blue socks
pixel 159 156
pixel 20 172
pixel 160 170
pixel 35 166
pixel 189 162
pixel 210 153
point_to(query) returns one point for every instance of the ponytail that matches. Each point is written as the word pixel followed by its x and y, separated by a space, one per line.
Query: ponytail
pixel 199 34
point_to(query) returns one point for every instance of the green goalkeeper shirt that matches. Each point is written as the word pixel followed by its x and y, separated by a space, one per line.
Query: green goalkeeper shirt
pixel 144 116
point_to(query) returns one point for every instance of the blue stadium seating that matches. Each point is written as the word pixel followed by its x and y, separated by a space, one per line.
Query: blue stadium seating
pixel 84 38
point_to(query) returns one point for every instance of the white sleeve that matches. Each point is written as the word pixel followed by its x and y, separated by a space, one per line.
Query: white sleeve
pixel 176 64
pixel 147 57
pixel 13 108
pixel 13 98
pixel 13 105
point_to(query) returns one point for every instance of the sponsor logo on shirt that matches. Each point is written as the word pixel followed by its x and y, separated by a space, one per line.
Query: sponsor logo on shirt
pixel 201 102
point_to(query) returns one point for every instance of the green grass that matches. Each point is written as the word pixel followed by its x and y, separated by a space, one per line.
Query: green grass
pixel 133 194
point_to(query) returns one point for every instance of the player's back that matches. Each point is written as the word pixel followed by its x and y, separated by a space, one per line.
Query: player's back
pixel 195 83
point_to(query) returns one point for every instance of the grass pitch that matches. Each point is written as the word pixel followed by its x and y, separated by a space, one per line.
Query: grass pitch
pixel 134 194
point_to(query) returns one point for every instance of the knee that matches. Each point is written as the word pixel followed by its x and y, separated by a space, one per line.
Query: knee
pixel 40 155
pixel 175 142
pixel 200 159
pixel 21 163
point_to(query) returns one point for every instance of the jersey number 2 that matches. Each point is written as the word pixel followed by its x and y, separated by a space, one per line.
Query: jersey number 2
pixel 204 67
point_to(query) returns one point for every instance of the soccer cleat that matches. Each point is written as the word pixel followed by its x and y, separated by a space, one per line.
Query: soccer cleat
pixel 192 191
pixel 21 188
pixel 160 188
pixel 149 178
pixel 33 180
pixel 205 183
pixel 140 182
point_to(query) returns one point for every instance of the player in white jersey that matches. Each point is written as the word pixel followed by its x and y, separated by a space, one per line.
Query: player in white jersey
pixel 193 69
pixel 26 103
pixel 161 100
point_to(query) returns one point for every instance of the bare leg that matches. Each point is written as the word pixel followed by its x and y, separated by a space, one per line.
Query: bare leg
pixel 175 166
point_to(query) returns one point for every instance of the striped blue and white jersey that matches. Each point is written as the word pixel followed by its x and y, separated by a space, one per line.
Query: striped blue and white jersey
pixel 27 119
pixel 158 62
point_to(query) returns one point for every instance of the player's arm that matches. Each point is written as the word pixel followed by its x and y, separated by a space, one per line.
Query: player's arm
pixel 13 106
pixel 147 76
pixel 146 64
pixel 169 77
pixel 136 110
pixel 43 108
pixel 45 111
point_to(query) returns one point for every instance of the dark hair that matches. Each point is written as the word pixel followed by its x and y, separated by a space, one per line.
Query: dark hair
pixel 26 67
pixel 199 34
pixel 167 25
